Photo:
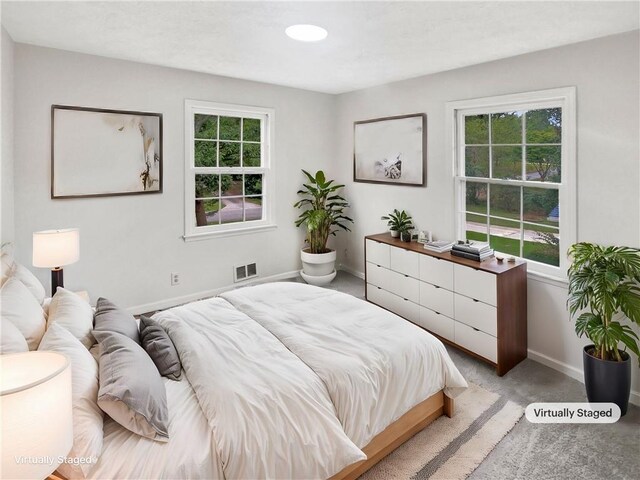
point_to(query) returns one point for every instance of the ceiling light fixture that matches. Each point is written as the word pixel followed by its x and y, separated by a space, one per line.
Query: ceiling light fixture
pixel 306 33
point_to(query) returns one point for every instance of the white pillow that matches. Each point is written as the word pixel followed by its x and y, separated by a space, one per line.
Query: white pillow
pixel 12 341
pixel 30 281
pixel 23 310
pixel 73 313
pixel 87 416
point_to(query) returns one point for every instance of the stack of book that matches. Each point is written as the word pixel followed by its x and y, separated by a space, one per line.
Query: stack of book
pixel 473 250
pixel 439 246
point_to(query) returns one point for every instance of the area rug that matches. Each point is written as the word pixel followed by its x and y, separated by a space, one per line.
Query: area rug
pixel 452 448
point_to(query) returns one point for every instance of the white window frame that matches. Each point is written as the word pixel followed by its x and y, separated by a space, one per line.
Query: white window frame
pixel 267 115
pixel 564 98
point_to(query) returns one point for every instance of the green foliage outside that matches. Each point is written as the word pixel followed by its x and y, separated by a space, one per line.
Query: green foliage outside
pixel 504 132
pixel 212 148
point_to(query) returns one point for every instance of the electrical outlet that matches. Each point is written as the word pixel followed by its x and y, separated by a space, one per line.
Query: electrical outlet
pixel 175 279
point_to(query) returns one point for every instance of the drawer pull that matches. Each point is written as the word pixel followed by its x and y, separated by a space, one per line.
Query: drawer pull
pixel 475 300
pixel 406 299
pixel 436 286
pixel 437 313
pixel 378 266
pixel 406 276
pixel 475 329
pixel 379 288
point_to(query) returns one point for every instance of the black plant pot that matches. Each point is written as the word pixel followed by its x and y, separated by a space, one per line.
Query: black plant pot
pixel 405 236
pixel 607 381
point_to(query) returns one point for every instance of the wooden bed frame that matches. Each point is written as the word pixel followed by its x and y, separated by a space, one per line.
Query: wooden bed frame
pixel 399 432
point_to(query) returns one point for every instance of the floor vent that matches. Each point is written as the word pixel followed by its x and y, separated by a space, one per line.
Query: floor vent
pixel 245 272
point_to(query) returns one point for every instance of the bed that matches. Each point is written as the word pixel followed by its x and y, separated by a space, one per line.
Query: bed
pixel 286 380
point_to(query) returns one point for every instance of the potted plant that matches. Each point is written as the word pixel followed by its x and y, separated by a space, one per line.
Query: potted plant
pixel 604 289
pixel 323 214
pixel 398 222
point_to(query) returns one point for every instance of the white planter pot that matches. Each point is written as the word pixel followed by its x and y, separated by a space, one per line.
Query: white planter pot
pixel 395 233
pixel 318 267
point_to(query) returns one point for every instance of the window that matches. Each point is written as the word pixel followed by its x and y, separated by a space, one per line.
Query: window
pixel 229 177
pixel 515 175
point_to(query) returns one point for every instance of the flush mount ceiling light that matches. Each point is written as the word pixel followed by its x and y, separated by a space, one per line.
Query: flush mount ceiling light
pixel 306 33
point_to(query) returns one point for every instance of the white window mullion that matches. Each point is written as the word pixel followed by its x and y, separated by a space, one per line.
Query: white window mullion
pixel 242 225
pixel 562 98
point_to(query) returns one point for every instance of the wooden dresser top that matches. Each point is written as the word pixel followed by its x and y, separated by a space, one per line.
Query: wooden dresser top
pixel 490 265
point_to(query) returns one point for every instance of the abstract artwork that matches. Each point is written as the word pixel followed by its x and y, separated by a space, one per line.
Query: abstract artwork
pixel 98 152
pixel 391 150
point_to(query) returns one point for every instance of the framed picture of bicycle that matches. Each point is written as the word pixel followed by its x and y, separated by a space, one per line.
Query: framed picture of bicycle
pixel 391 150
pixel 97 152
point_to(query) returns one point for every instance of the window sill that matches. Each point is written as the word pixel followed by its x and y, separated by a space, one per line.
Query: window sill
pixel 556 281
pixel 196 237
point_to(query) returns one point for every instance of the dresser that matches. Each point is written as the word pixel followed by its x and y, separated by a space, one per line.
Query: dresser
pixel 479 307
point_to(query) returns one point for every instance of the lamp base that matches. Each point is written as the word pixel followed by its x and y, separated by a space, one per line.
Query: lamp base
pixel 57 280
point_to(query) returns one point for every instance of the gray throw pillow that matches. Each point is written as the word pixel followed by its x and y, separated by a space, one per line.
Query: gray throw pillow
pixel 131 389
pixel 156 342
pixel 110 318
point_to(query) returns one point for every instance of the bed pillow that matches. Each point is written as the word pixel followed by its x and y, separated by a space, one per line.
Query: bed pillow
pixel 110 318
pixel 72 312
pixel 23 310
pixel 87 416
pixel 8 265
pixel 31 282
pixel 131 389
pixel 158 345
pixel 11 340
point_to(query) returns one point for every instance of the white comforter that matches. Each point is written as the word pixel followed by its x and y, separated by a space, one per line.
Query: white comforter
pixel 375 365
pixel 270 415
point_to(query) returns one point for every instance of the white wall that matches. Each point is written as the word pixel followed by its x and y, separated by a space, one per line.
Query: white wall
pixel 130 244
pixel 605 72
pixel 7 225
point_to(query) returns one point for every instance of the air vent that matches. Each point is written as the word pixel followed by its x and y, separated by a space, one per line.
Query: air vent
pixel 245 272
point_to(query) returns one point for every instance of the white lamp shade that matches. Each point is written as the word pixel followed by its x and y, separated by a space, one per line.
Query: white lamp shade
pixel 56 248
pixel 36 411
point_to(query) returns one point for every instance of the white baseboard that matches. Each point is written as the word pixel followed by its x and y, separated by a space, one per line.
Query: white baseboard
pixel 352 271
pixel 571 371
pixel 172 302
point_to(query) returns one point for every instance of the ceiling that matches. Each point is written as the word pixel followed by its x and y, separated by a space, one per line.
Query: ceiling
pixel 369 43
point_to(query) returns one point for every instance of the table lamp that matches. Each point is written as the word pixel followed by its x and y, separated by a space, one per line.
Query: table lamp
pixel 36 406
pixel 55 249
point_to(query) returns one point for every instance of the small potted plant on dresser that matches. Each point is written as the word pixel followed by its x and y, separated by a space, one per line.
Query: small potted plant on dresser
pixel 604 289
pixel 323 215
pixel 399 222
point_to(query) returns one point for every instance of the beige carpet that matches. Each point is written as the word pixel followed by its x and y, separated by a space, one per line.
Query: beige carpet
pixel 452 448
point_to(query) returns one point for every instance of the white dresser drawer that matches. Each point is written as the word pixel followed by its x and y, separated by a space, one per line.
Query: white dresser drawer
pixel 436 271
pixel 437 323
pixel 378 276
pixel 379 296
pixel 405 308
pixel 404 261
pixel 436 298
pixel 475 284
pixel 476 314
pixel 378 253
pixel 476 341
pixel 403 286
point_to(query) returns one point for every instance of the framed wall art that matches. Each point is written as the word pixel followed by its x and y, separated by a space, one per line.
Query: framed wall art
pixel 391 150
pixel 98 152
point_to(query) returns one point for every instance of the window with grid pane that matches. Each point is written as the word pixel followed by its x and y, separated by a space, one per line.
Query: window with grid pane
pixel 228 168
pixel 512 187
